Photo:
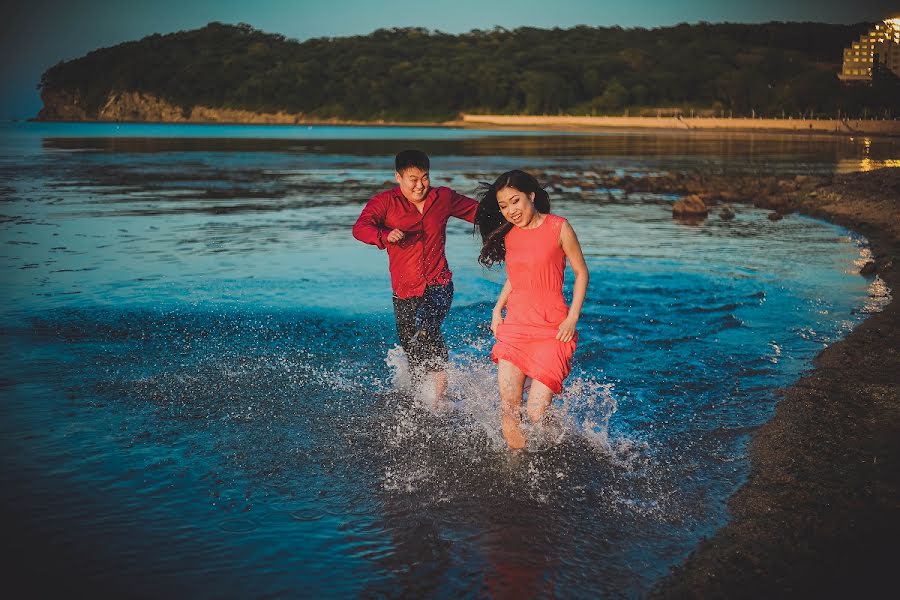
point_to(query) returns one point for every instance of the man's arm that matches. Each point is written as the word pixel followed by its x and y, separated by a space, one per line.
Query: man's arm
pixel 370 227
pixel 462 207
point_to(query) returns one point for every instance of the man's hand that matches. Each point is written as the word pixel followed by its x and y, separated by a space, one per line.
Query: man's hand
pixel 395 236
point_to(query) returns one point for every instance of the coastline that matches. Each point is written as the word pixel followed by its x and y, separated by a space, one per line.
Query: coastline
pixel 566 124
pixel 140 107
pixel 818 515
pixel 848 127
pixel 299 122
pixel 664 125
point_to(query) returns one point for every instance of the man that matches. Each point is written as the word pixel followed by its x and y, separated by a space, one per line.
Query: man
pixel 410 222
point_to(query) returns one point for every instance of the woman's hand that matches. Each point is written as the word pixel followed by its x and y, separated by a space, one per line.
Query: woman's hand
pixel 566 330
pixel 496 319
pixel 497 313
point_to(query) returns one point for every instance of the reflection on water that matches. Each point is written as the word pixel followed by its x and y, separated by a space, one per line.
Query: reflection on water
pixel 867 164
pixel 767 152
pixel 201 389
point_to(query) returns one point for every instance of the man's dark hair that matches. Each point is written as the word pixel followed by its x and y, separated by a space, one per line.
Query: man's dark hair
pixel 412 158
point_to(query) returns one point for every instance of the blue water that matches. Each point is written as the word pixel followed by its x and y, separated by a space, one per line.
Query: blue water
pixel 202 394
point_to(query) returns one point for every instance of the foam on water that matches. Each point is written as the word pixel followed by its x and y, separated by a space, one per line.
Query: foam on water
pixel 583 409
pixel 428 441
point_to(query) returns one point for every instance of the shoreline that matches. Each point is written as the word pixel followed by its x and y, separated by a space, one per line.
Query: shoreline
pixel 564 124
pixel 300 123
pixel 844 127
pixel 818 515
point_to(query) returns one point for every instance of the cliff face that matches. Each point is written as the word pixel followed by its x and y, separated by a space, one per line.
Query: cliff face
pixel 135 106
pixel 62 105
pixel 66 105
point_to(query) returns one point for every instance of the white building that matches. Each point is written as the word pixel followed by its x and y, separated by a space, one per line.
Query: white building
pixel 881 44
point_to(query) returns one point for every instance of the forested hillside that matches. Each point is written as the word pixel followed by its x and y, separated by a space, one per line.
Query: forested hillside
pixel 772 69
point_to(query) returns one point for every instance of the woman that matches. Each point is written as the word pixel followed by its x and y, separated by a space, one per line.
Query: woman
pixel 536 337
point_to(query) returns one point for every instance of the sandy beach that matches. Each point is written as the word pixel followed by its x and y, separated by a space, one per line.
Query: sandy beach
pixel 819 515
pixel 684 123
pixel 136 107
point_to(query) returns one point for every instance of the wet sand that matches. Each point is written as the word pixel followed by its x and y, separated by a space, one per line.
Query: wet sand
pixel 820 513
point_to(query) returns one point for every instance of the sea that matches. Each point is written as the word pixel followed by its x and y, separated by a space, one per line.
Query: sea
pixel 202 393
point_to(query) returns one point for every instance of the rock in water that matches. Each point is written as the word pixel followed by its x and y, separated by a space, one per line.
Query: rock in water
pixel 690 206
pixel 869 268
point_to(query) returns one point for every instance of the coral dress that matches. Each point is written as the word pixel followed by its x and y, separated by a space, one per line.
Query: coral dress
pixel 535 266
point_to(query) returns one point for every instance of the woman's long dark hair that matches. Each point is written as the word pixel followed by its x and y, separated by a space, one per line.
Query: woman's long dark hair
pixel 489 220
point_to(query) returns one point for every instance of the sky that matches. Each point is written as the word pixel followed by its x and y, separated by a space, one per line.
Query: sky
pixel 36 34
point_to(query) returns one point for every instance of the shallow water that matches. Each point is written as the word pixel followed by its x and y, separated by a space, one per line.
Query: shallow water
pixel 201 389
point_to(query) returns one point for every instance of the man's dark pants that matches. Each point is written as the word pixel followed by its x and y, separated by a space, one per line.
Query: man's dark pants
pixel 419 321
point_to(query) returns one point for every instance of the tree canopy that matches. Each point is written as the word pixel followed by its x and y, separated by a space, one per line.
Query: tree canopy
pixel 770 69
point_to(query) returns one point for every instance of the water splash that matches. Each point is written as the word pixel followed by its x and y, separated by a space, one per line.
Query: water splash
pixel 441 453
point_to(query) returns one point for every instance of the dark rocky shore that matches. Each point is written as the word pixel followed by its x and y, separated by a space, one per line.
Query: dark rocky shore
pixel 820 513
pixel 819 516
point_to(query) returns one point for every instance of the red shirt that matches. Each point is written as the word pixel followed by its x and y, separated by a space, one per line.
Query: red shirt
pixel 419 258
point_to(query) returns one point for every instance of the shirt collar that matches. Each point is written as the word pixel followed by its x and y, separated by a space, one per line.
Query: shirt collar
pixel 429 197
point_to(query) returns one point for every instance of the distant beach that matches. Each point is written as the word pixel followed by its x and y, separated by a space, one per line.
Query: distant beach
pixel 586 123
pixel 140 107
pixel 209 116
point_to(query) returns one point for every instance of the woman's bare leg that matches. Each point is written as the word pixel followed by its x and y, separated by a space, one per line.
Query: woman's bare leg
pixel 539 399
pixel 510 380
